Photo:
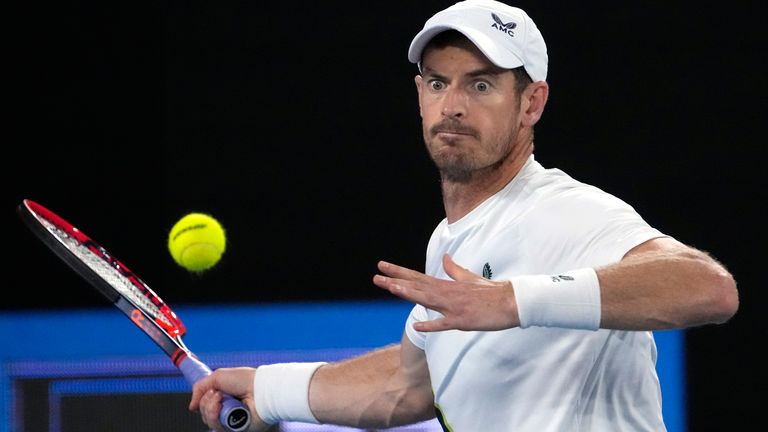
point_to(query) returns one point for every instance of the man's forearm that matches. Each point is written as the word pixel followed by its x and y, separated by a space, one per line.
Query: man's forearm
pixel 373 390
pixel 663 288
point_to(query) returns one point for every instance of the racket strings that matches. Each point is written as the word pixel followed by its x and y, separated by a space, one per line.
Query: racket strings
pixel 109 273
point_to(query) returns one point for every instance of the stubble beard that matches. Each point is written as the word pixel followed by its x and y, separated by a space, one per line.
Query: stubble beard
pixel 454 168
pixel 460 167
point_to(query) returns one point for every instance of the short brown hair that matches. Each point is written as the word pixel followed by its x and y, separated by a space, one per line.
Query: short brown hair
pixel 450 37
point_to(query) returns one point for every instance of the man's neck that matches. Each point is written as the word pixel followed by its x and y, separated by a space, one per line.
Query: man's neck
pixel 460 198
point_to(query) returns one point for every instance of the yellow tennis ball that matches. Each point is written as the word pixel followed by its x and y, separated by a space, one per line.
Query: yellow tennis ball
pixel 197 242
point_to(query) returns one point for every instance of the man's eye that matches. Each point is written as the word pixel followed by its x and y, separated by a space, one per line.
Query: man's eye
pixel 481 86
pixel 436 85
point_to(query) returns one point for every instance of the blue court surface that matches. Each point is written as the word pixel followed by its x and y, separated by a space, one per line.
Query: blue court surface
pixel 100 352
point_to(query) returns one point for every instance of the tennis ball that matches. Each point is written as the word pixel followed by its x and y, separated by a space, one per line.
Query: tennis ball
pixel 197 241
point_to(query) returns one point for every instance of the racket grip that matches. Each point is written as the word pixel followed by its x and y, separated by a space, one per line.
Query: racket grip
pixel 234 416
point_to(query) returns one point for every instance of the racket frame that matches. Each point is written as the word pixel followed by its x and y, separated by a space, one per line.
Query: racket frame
pixel 164 327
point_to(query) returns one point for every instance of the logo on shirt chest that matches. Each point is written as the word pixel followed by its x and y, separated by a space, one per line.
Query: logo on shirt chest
pixel 487 272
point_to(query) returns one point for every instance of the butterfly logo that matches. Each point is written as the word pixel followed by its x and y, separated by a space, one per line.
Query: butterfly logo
pixel 502 26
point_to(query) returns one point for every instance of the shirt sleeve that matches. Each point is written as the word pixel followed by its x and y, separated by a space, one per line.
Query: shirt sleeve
pixel 418 313
pixel 587 227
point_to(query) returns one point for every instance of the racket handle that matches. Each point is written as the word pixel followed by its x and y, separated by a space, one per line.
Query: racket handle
pixel 234 415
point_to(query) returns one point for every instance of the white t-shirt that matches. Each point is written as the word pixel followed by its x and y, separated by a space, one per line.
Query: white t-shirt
pixel 541 379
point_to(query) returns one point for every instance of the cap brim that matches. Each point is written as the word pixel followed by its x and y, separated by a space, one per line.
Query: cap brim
pixel 502 59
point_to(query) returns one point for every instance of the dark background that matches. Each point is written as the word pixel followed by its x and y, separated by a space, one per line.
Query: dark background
pixel 297 127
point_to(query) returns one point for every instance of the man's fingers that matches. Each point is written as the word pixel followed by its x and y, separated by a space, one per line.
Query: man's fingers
pixel 406 290
pixel 398 272
pixel 210 405
pixel 457 272
pixel 198 391
pixel 395 286
pixel 439 324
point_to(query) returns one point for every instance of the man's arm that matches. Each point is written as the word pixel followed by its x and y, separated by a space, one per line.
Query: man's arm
pixel 664 284
pixel 384 388
pixel 387 387
pixel 660 284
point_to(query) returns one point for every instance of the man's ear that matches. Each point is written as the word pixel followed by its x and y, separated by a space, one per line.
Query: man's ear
pixel 419 80
pixel 534 99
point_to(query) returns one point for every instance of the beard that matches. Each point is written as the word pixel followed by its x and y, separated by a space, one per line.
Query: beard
pixel 454 169
pixel 454 157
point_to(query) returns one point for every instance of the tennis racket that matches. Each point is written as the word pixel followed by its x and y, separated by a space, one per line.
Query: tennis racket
pixel 130 294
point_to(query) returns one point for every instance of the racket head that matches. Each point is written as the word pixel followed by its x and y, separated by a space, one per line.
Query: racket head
pixel 113 279
pixel 130 294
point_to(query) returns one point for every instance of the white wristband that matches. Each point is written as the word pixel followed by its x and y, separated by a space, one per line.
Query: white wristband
pixel 281 392
pixel 570 300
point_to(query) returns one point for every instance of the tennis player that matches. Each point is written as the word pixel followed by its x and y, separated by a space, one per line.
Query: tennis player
pixel 536 309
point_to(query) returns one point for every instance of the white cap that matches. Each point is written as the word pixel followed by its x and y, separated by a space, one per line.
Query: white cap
pixel 505 34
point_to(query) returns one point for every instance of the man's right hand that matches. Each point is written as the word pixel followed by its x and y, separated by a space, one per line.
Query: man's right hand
pixel 207 395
